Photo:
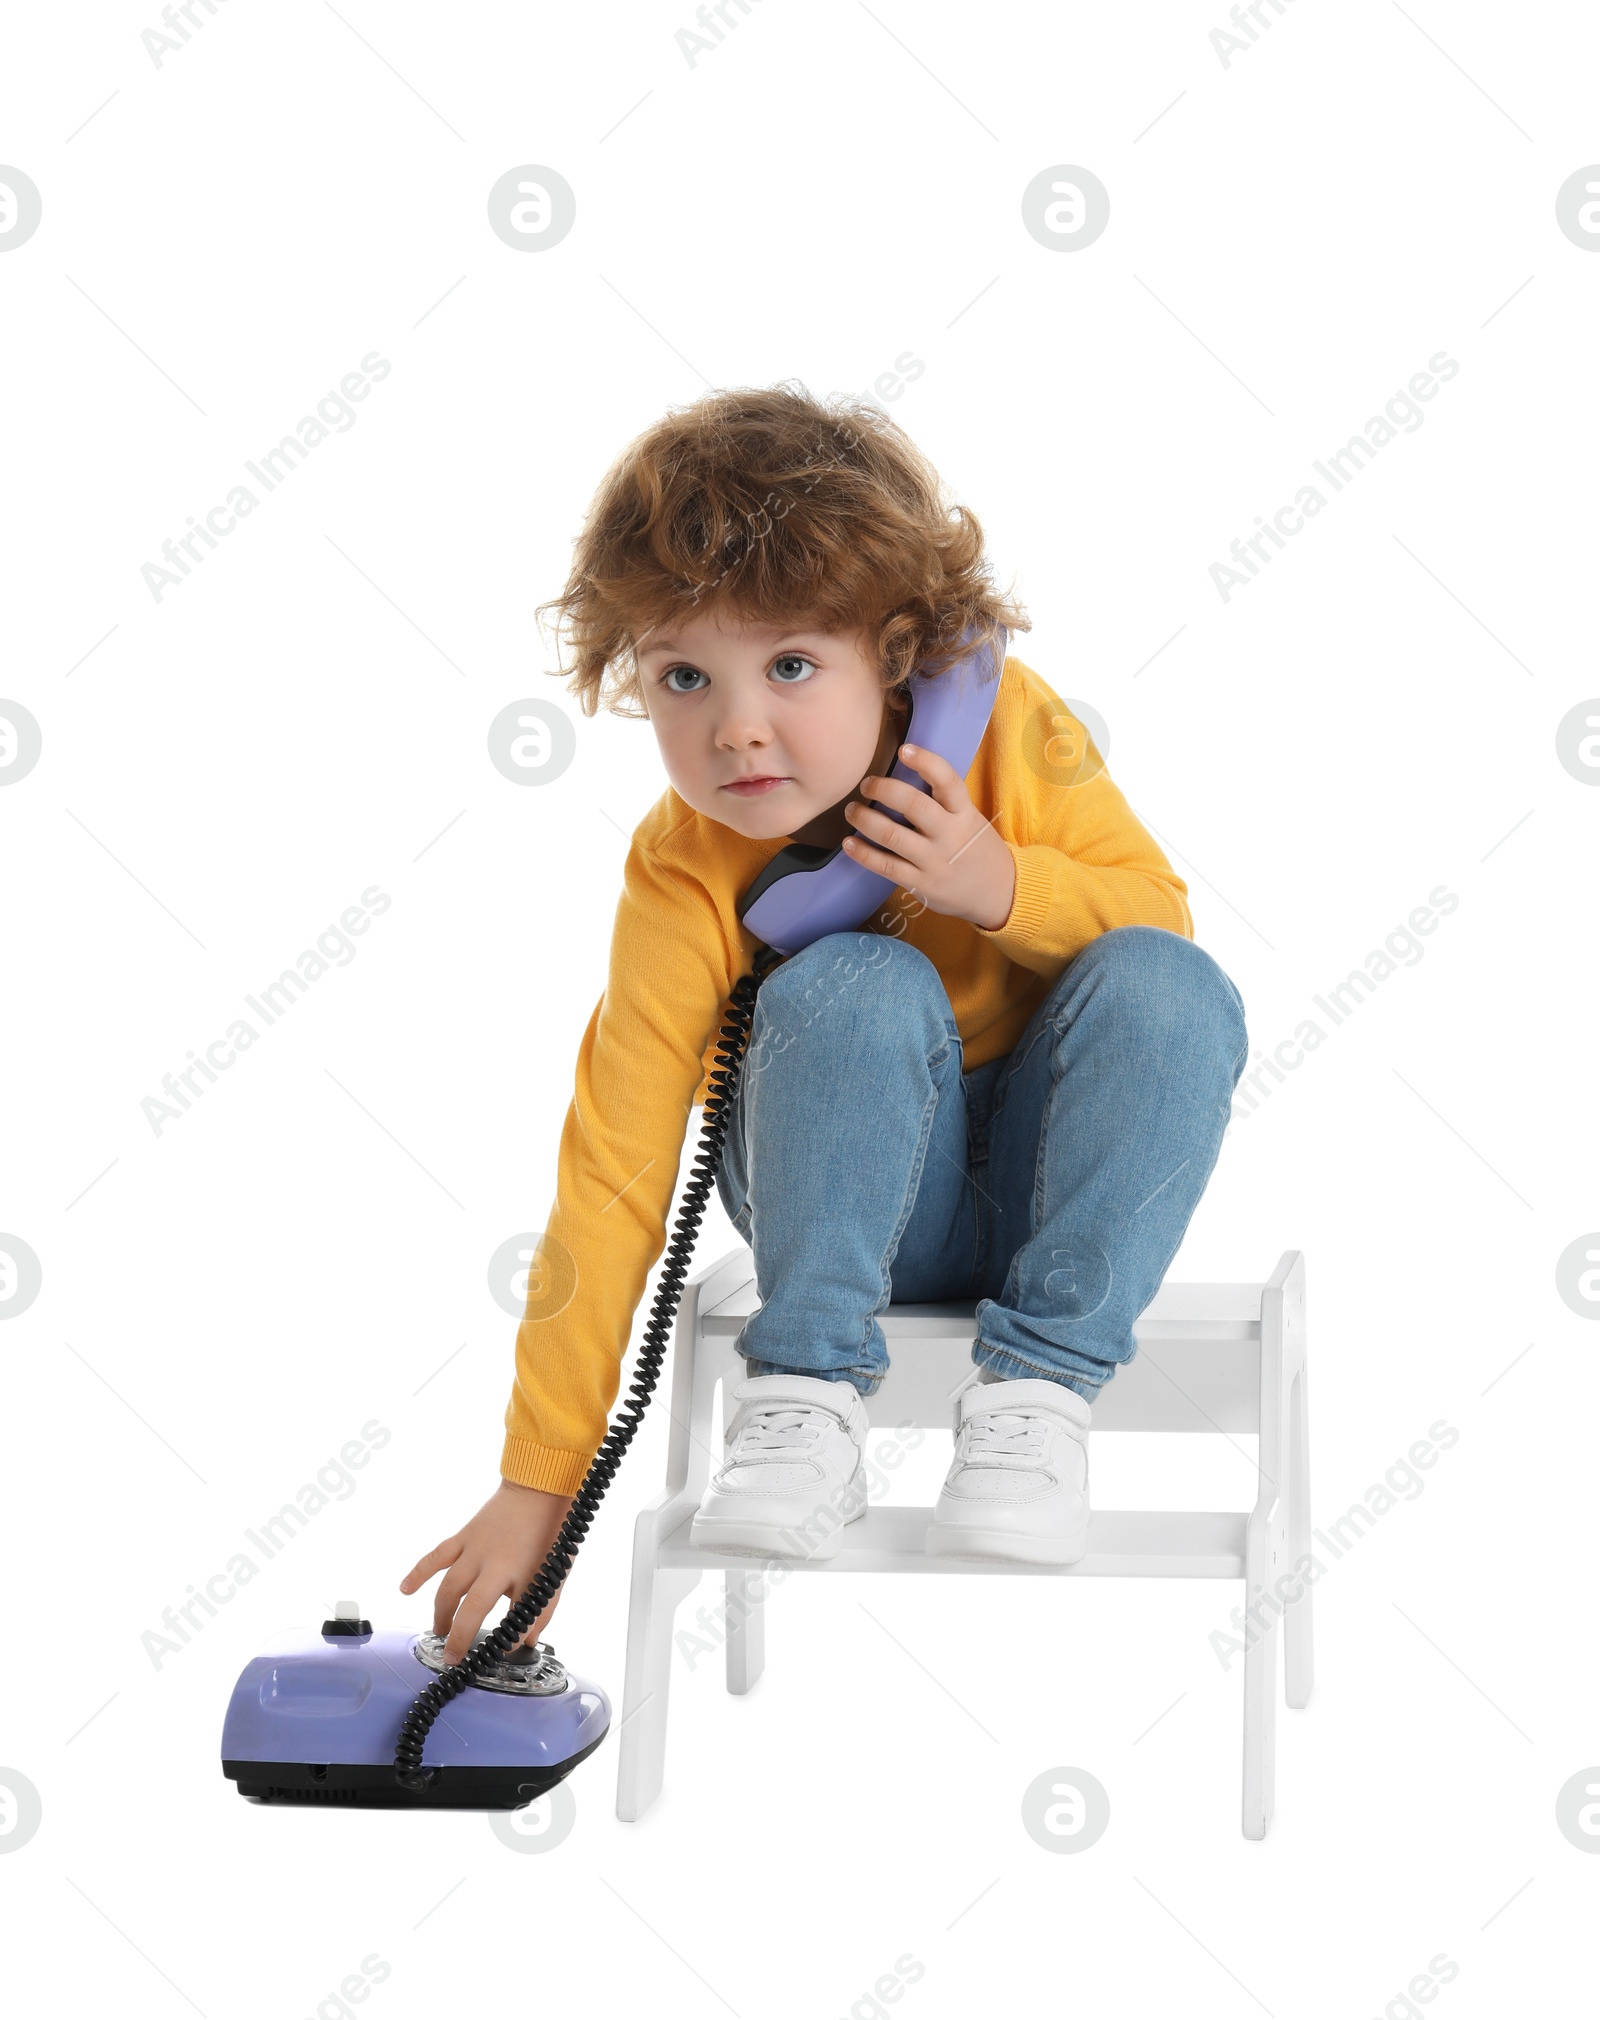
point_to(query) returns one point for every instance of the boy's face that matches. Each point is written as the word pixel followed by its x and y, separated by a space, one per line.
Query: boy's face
pixel 744 703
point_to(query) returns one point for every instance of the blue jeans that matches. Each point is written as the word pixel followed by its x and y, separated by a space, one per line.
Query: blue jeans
pixel 1052 1185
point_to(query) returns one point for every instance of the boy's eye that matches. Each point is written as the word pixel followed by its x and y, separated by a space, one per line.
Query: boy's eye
pixel 666 678
pixel 792 659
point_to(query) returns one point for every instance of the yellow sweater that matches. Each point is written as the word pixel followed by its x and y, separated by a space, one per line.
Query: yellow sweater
pixel 1085 864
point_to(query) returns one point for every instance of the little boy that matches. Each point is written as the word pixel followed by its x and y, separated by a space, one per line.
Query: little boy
pixel 1009 1085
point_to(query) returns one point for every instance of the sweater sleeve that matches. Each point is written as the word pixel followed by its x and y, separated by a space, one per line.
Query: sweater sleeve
pixel 1085 865
pixel 639 1066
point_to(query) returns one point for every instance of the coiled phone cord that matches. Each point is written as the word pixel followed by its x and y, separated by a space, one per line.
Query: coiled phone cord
pixel 722 1085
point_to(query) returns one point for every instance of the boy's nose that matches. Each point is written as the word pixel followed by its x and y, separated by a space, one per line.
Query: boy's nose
pixel 741 732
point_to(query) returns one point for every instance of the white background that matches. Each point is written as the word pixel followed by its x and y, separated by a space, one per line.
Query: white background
pixel 225 1304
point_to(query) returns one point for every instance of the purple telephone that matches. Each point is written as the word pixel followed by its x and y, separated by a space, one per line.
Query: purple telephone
pixel 806 892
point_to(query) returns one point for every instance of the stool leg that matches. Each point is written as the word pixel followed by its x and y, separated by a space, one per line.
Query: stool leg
pixel 1297 1617
pixel 1260 1692
pixel 745 1648
pixel 648 1671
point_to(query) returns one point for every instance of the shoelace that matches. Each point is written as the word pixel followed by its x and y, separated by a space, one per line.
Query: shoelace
pixel 1005 1437
pixel 776 1425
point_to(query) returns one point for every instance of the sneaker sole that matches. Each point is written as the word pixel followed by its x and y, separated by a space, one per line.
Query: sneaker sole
pixel 749 1537
pixel 986 1545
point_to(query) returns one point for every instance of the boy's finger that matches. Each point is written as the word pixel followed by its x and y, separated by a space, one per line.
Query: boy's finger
pixel 437 1558
pixel 898 838
pixel 898 871
pixel 888 792
pixel 470 1615
pixel 949 787
pixel 459 1611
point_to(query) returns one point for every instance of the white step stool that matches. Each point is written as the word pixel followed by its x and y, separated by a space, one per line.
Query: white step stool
pixel 1212 1357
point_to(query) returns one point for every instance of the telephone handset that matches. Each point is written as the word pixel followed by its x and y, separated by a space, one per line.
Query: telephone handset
pixel 806 891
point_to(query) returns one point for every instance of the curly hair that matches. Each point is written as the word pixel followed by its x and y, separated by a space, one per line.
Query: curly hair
pixel 765 506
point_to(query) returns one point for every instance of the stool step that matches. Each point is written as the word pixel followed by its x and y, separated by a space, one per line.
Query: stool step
pixel 1122 1544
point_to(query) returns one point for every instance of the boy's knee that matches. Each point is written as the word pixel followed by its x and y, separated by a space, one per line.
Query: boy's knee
pixel 840 959
pixel 858 975
pixel 1167 975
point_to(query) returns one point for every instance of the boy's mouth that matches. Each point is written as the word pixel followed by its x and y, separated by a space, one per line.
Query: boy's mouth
pixel 750 788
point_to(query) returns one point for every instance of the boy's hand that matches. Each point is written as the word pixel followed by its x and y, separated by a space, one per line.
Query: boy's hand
pixel 950 856
pixel 498 1554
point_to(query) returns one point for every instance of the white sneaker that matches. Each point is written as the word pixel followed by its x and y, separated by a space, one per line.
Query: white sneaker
pixel 793 1475
pixel 1018 1486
